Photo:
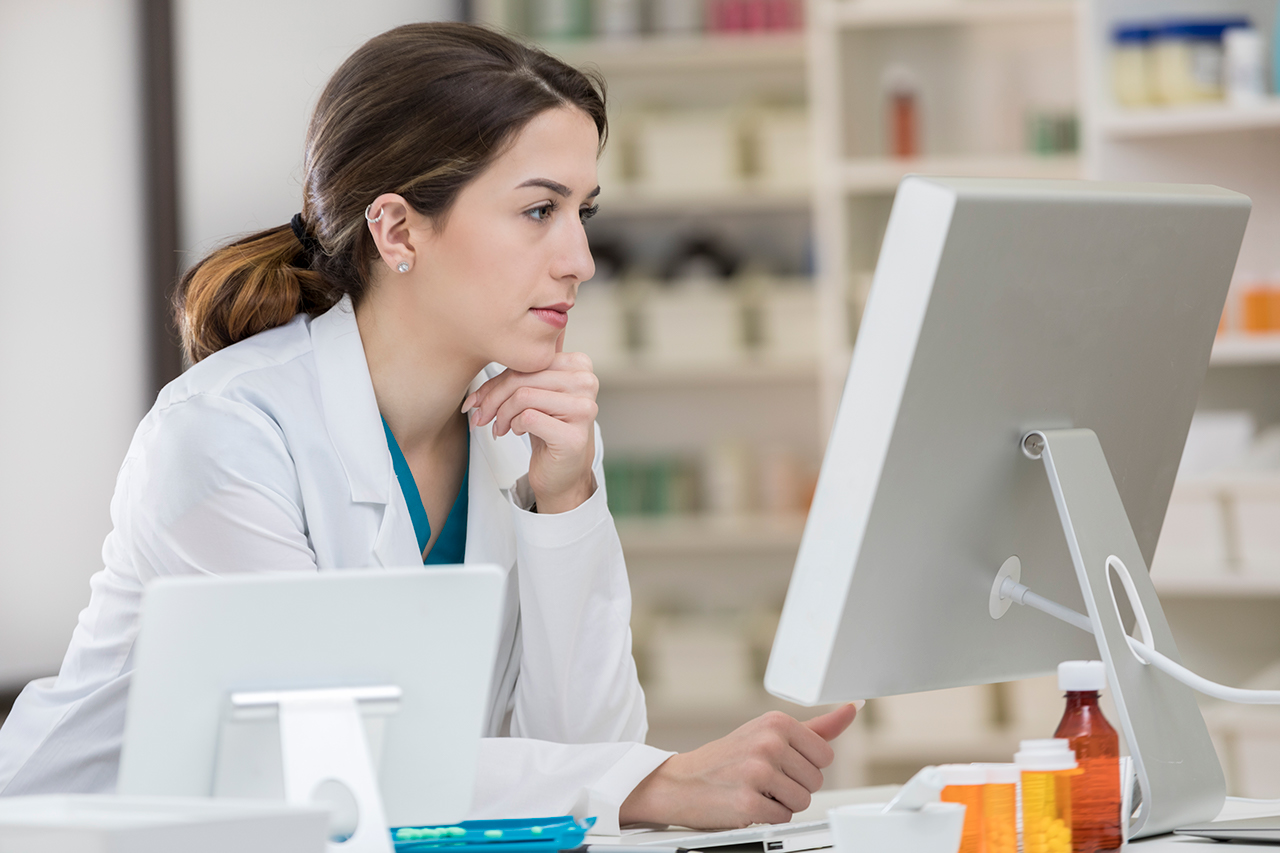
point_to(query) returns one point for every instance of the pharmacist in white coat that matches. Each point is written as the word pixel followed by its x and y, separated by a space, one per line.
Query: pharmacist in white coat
pixel 340 414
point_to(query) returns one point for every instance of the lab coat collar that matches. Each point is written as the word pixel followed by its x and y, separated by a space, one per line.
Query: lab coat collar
pixel 350 407
pixel 355 427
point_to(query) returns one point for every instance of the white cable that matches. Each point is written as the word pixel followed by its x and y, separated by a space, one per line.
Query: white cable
pixel 1238 695
pixel 1022 595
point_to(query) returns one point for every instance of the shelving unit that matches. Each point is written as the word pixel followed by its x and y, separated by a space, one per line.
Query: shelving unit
pixel 1237 148
pixel 631 202
pixel 1189 121
pixel 684 54
pixel 1245 350
pixel 967 56
pixel 1219 584
pixel 711 534
pixel 747 374
pixel 881 175
pixel 879 14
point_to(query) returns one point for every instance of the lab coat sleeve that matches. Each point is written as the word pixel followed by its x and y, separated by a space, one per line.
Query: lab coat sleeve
pixel 213 491
pixel 533 778
pixel 577 681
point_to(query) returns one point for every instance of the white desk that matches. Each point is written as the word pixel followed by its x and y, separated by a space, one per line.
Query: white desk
pixel 824 800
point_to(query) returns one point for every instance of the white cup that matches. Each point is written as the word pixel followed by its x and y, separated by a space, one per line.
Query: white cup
pixel 867 828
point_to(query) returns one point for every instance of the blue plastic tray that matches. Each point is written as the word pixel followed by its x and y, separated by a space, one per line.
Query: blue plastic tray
pixel 531 835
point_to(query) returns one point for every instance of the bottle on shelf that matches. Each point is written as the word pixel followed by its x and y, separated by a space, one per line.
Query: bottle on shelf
pixel 902 101
pixel 1095 792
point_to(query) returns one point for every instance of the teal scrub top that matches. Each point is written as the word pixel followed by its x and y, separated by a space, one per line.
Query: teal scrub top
pixel 451 546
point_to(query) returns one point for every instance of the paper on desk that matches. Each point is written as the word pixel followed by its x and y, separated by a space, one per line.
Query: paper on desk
pixel 822 802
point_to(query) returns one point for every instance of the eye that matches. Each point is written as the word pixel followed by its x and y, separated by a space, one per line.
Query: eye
pixel 542 212
pixel 587 212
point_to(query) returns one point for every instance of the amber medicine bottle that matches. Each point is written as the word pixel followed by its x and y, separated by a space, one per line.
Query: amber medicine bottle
pixel 1095 793
pixel 963 783
pixel 1000 808
pixel 1047 767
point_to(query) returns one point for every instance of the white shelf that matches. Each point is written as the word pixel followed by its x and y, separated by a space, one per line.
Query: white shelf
pixel 746 373
pixel 659 536
pixel 1217 586
pixel 750 51
pixel 877 175
pixel 869 14
pixel 1184 121
pixel 628 201
pixel 1244 349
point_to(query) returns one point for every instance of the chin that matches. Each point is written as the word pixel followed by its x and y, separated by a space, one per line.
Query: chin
pixel 530 358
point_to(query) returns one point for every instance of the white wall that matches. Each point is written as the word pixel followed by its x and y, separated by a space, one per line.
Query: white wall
pixel 72 346
pixel 249 72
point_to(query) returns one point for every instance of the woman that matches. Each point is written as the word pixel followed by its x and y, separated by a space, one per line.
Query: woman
pixel 345 366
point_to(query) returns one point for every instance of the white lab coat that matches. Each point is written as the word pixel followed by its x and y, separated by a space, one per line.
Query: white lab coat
pixel 270 455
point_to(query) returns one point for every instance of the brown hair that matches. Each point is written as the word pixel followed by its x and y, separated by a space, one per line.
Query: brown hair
pixel 420 111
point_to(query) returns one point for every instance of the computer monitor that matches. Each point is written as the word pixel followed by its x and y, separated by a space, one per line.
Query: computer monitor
pixel 272 686
pixel 999 308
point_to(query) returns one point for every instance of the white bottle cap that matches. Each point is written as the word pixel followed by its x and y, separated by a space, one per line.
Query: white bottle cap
pixel 962 774
pixel 1002 774
pixel 1082 675
pixel 1045 755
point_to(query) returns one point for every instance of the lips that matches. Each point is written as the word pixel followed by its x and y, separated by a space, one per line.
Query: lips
pixel 556 316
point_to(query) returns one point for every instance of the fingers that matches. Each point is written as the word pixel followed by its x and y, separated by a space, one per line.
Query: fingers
pixel 802 770
pixel 570 374
pixel 563 437
pixel 830 725
pixel 561 406
pixel 801 738
pixel 758 807
pixel 786 791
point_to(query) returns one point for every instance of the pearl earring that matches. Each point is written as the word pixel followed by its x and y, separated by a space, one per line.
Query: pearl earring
pixel 403 266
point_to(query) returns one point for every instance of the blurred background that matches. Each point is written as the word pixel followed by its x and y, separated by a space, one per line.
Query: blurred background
pixel 755 148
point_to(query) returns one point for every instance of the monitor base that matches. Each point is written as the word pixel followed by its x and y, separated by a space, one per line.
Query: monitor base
pixel 1177 768
pixel 309 747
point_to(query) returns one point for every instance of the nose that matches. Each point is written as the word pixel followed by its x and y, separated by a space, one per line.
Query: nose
pixel 573 260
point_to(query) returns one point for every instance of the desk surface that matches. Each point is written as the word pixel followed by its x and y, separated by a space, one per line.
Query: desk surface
pixel 824 800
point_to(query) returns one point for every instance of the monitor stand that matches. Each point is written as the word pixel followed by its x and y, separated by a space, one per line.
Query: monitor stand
pixel 311 747
pixel 1177 768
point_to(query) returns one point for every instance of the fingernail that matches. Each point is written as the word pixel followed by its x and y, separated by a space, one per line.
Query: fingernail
pixel 858 703
pixel 469 402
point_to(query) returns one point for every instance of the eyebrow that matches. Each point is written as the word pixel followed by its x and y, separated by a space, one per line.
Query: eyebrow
pixel 556 187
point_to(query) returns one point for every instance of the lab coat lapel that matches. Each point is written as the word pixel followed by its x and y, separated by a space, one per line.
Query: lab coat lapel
pixel 355 427
pixel 491 535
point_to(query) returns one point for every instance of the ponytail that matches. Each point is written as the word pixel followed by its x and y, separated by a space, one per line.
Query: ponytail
pixel 244 288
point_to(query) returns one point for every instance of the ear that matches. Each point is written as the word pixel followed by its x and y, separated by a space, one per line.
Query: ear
pixel 390 219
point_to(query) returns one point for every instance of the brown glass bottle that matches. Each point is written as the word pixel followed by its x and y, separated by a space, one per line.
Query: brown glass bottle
pixel 1095 793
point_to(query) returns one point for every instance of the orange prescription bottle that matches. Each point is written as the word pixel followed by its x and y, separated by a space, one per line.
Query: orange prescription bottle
pixel 962 783
pixel 1000 808
pixel 1047 767
pixel 1095 793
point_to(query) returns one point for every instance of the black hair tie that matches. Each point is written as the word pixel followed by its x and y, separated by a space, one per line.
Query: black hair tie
pixel 310 245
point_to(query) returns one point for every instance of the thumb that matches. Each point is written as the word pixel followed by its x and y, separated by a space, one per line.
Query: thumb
pixel 831 724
